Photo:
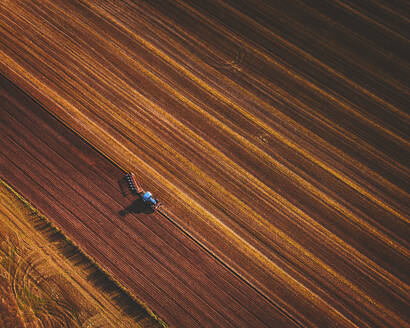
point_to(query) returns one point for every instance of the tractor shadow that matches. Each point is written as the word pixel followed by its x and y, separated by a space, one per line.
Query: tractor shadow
pixel 138 206
pixel 125 191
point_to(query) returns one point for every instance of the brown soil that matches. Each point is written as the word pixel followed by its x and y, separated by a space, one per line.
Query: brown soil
pixel 46 282
pixel 275 132
pixel 158 262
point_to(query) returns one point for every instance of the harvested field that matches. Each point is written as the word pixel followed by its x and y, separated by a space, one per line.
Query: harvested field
pixel 46 282
pixel 276 133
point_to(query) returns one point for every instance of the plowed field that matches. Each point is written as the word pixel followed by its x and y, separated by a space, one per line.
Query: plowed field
pixel 275 133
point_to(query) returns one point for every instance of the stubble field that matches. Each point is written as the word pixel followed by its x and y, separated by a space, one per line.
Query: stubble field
pixel 276 135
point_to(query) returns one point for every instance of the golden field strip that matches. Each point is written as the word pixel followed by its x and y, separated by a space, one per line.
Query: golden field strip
pixel 46 282
pixel 275 133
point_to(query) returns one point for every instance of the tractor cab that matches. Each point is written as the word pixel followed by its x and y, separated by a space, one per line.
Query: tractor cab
pixel 146 196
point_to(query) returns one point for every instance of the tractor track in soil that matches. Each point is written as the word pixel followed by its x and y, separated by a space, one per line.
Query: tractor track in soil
pixel 155 261
pixel 279 147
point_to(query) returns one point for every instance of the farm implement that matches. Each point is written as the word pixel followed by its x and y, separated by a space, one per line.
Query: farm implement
pixel 145 196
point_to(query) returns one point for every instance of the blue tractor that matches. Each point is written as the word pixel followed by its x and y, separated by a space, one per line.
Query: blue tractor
pixel 146 196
